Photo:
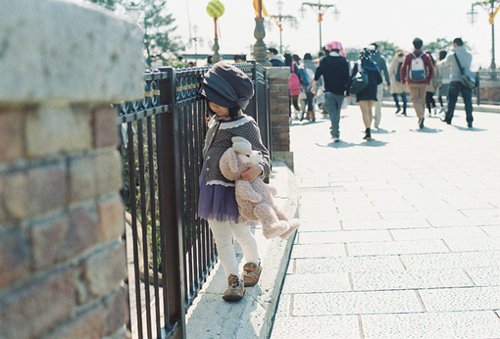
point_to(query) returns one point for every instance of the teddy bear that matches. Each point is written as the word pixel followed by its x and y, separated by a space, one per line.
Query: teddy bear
pixel 254 198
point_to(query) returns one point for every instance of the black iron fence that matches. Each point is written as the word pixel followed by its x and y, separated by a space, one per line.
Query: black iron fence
pixel 170 250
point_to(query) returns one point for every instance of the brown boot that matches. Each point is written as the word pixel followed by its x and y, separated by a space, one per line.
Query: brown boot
pixel 251 274
pixel 235 290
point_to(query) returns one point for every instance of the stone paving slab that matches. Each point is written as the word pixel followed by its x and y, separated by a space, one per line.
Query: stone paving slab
pixel 483 324
pixel 396 247
pixel 451 260
pixel 344 303
pixel 485 276
pixel 461 299
pixel 330 237
pixel 416 279
pixel 319 251
pixel 385 224
pixel 315 283
pixel 346 264
pixel 439 233
pixel 492 231
pixel 322 225
pixel 342 327
pixel 473 244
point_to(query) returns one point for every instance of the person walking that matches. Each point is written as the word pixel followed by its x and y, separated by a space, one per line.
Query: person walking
pixel 430 103
pixel 293 85
pixel 459 58
pixel 397 87
pixel 367 97
pixel 444 81
pixel 228 90
pixel 309 69
pixel 416 71
pixel 335 71
pixel 379 60
pixel 275 58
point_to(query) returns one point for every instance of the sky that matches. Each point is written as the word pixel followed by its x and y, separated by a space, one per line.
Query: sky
pixel 360 22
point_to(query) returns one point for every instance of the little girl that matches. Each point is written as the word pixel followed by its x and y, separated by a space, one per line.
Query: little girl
pixel 228 91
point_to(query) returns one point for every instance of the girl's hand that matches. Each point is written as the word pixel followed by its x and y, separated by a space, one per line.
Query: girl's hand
pixel 250 172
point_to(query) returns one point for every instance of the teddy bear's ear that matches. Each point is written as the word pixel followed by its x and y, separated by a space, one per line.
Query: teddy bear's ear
pixel 228 164
pixel 242 148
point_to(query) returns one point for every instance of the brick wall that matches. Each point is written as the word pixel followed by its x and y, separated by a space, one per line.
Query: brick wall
pixel 490 91
pixel 279 108
pixel 62 257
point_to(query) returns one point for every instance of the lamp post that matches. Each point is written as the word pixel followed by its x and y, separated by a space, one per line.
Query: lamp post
pixel 194 40
pixel 279 22
pixel 215 9
pixel 321 8
pixel 493 7
pixel 259 48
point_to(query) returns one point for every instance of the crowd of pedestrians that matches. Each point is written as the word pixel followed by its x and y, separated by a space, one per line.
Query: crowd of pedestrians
pixel 329 80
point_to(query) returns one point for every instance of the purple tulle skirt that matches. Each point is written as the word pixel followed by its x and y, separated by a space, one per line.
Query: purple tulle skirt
pixel 216 202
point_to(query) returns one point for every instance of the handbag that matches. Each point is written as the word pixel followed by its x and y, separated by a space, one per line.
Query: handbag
pixel 359 81
pixel 466 79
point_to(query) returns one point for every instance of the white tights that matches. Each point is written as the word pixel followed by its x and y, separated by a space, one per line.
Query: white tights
pixel 223 232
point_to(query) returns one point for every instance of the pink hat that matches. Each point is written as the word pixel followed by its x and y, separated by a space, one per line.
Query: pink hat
pixel 335 45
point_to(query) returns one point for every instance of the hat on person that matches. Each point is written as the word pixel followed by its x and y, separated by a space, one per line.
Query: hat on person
pixel 336 45
pixel 227 86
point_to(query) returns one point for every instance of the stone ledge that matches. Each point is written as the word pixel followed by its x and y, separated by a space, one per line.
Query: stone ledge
pixel 67 51
pixel 278 72
pixel 211 317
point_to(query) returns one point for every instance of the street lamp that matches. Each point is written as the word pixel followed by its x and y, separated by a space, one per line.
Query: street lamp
pixel 259 48
pixel 279 22
pixel 489 6
pixel 194 40
pixel 321 8
pixel 215 9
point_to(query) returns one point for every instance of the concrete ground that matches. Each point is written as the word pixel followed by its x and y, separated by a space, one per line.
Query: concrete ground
pixel 400 236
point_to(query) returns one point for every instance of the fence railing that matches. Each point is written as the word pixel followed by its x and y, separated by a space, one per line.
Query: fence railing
pixel 171 251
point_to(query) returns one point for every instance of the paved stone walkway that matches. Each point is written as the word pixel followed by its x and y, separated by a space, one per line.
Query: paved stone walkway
pixel 400 236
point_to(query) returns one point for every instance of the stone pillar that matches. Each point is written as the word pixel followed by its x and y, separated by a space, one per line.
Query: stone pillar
pixel 62 255
pixel 279 108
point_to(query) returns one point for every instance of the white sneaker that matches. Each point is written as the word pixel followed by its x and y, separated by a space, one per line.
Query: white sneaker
pixel 336 139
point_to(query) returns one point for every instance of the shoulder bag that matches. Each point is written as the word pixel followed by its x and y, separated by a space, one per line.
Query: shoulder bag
pixel 467 80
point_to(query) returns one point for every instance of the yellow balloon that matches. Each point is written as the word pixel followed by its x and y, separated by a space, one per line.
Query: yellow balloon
pixel 215 9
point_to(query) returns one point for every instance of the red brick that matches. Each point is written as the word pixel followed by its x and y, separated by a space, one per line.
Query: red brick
pixel 89 324
pixel 3 212
pixel 107 172
pixel 11 134
pixel 63 237
pixel 34 308
pixel 81 178
pixel 111 218
pixel 36 190
pixel 117 311
pixel 14 257
pixel 104 127
pixel 105 270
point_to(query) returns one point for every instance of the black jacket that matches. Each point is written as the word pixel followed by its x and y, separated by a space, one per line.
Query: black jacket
pixel 335 72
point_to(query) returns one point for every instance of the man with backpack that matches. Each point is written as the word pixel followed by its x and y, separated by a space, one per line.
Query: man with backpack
pixel 459 61
pixel 416 71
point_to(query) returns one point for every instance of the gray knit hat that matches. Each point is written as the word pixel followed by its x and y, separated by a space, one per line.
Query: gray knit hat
pixel 227 86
